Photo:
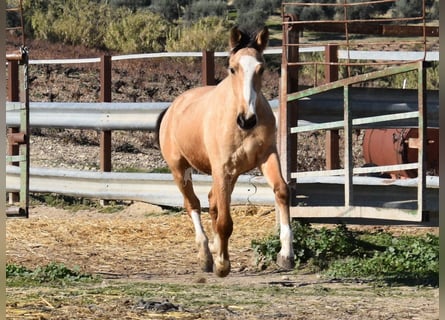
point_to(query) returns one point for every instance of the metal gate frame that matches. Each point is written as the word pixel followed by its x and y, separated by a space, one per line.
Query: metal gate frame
pixel 18 138
pixel 308 189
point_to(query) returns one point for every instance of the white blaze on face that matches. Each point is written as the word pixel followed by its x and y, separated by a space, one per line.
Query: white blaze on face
pixel 249 64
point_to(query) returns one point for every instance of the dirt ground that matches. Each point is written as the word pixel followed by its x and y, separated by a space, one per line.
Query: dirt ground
pixel 146 254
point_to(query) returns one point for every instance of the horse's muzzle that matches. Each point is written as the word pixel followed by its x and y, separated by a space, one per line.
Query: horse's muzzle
pixel 246 124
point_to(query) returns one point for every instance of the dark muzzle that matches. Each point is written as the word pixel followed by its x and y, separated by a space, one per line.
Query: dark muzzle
pixel 246 124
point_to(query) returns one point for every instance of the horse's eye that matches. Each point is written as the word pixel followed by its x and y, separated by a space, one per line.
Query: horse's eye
pixel 232 70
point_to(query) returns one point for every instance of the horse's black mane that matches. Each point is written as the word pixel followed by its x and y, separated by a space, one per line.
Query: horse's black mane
pixel 247 40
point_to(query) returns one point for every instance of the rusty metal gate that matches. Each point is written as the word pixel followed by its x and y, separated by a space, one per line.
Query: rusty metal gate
pixel 343 191
pixel 18 99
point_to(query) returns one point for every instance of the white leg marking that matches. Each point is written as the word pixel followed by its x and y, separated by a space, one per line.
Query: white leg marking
pixel 199 231
pixel 286 238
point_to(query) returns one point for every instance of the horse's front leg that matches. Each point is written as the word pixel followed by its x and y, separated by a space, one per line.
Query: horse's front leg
pixel 219 200
pixel 183 180
pixel 272 172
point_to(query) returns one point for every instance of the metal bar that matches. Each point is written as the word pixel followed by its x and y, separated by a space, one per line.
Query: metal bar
pixel 318 126
pixel 24 130
pixel 340 214
pixel 325 107
pixel 353 80
pixel 160 189
pixel 355 171
pixel 349 192
pixel 422 138
pixel 153 188
pixel 13 95
pixel 16 158
pixel 389 117
pixel 288 111
pixel 332 137
pixel 356 122
pixel 15 105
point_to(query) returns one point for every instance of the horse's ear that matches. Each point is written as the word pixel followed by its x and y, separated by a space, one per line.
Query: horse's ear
pixel 262 39
pixel 237 40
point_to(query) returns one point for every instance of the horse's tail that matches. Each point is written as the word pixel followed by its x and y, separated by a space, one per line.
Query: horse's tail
pixel 158 126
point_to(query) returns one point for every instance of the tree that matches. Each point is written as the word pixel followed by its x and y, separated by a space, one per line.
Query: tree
pixel 252 15
pixel 170 9
pixel 205 8
pixel 407 8
pixel 133 4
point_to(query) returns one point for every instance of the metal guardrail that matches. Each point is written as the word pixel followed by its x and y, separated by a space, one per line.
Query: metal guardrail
pixel 97 115
pixel 160 189
pixel 367 102
pixel 154 188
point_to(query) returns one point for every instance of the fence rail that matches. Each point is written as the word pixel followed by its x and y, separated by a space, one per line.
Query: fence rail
pixel 367 102
pixel 160 189
pixel 342 54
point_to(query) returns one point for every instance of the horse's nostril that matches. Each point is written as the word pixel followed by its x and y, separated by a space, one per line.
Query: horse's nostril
pixel 246 124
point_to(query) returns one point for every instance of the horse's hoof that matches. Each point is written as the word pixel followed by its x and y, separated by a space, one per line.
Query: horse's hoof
pixel 207 265
pixel 285 262
pixel 206 261
pixel 222 270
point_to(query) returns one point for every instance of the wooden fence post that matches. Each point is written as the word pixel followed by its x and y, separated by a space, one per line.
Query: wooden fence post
pixel 105 96
pixel 208 68
pixel 332 136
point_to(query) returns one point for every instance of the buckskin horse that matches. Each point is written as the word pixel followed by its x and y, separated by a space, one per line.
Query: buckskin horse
pixel 226 130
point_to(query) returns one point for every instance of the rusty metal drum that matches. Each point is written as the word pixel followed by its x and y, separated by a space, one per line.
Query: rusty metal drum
pixel 383 147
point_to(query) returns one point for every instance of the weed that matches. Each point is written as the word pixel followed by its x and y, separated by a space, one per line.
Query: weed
pixel 53 273
pixel 342 253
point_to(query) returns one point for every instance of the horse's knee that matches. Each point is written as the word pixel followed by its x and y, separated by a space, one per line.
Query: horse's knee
pixel 224 227
pixel 282 193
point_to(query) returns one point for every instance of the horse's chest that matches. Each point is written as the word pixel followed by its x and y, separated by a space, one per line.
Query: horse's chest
pixel 246 155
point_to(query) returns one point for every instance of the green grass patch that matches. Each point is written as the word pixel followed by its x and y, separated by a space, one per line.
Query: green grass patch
pixel 75 204
pixel 341 253
pixel 51 274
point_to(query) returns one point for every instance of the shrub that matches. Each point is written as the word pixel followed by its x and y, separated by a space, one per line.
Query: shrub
pixel 208 33
pixel 82 22
pixel 341 253
pixel 142 31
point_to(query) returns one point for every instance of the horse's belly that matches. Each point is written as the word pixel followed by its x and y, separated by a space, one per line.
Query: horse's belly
pixel 193 151
pixel 199 162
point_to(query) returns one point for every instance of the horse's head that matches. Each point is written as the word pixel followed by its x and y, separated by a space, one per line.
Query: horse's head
pixel 246 66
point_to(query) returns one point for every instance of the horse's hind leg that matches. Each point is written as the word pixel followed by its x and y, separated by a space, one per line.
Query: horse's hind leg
pixel 183 179
pixel 272 172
